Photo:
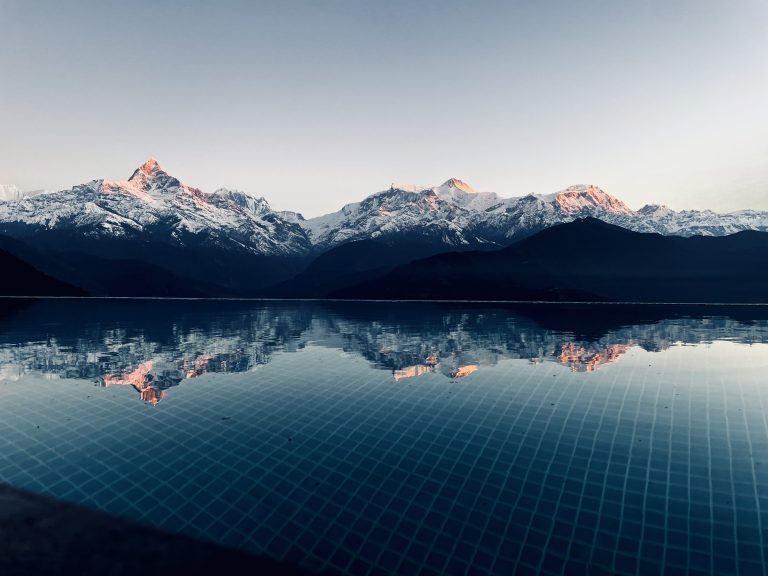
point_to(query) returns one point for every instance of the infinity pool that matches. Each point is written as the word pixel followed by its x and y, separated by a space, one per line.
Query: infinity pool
pixel 403 438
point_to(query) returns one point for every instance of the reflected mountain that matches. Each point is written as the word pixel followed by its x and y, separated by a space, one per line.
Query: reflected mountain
pixel 152 346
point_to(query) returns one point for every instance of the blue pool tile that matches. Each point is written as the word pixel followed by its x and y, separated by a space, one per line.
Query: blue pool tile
pixel 649 465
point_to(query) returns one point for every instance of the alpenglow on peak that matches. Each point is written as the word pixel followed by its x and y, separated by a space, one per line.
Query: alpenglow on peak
pixel 154 205
pixel 576 197
pixel 149 167
pixel 150 175
pixel 460 184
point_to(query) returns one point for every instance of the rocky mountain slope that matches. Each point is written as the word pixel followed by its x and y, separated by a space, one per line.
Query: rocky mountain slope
pixel 153 203
pixel 588 260
pixel 159 229
pixel 19 278
pixel 124 237
pixel 457 215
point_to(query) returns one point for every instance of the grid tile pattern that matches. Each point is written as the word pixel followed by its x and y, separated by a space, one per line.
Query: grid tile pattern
pixel 657 464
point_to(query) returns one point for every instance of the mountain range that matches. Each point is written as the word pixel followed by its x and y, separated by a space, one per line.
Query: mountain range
pixel 152 235
pixel 587 260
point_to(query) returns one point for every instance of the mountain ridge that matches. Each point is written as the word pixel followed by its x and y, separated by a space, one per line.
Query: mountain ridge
pixel 588 260
pixel 21 278
pixel 452 212
pixel 232 243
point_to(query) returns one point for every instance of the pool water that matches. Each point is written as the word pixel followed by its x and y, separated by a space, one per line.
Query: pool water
pixel 366 438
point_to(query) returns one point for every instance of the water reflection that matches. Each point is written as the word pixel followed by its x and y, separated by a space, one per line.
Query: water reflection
pixel 403 438
pixel 154 346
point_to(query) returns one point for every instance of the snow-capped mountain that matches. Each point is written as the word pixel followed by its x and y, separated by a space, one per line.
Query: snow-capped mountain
pixel 460 216
pixel 155 206
pixel 655 218
pixel 151 203
pixel 442 213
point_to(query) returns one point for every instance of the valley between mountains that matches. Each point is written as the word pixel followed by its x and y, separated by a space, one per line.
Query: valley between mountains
pixel 152 235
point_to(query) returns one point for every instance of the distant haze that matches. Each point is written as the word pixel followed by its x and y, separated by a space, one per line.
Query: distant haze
pixel 316 103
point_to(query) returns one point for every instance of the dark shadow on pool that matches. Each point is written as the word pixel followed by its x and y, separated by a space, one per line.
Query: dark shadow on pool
pixel 42 536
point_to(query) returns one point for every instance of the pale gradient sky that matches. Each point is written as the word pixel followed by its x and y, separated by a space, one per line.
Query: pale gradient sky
pixel 315 103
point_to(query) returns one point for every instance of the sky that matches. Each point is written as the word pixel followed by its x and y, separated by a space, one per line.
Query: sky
pixel 316 103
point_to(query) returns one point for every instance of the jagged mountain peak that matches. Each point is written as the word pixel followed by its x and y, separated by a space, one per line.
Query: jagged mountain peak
pixel 584 190
pixel 407 187
pixel 150 175
pixel 579 196
pixel 580 187
pixel 250 202
pixel 225 191
pixel 459 184
pixel 154 203
pixel 150 166
pixel 152 206
pixel 655 209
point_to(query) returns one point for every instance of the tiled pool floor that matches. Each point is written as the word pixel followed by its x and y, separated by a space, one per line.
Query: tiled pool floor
pixel 651 462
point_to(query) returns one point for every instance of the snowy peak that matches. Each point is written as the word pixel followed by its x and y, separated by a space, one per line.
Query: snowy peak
pixel 461 194
pixel 459 184
pixel 407 187
pixel 254 204
pixel 655 210
pixel 451 183
pixel 579 197
pixel 152 203
pixel 151 184
pixel 149 167
pixel 151 176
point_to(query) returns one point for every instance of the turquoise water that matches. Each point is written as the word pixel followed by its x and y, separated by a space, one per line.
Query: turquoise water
pixel 403 438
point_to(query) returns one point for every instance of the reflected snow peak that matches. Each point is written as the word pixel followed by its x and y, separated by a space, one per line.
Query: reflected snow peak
pixel 154 347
